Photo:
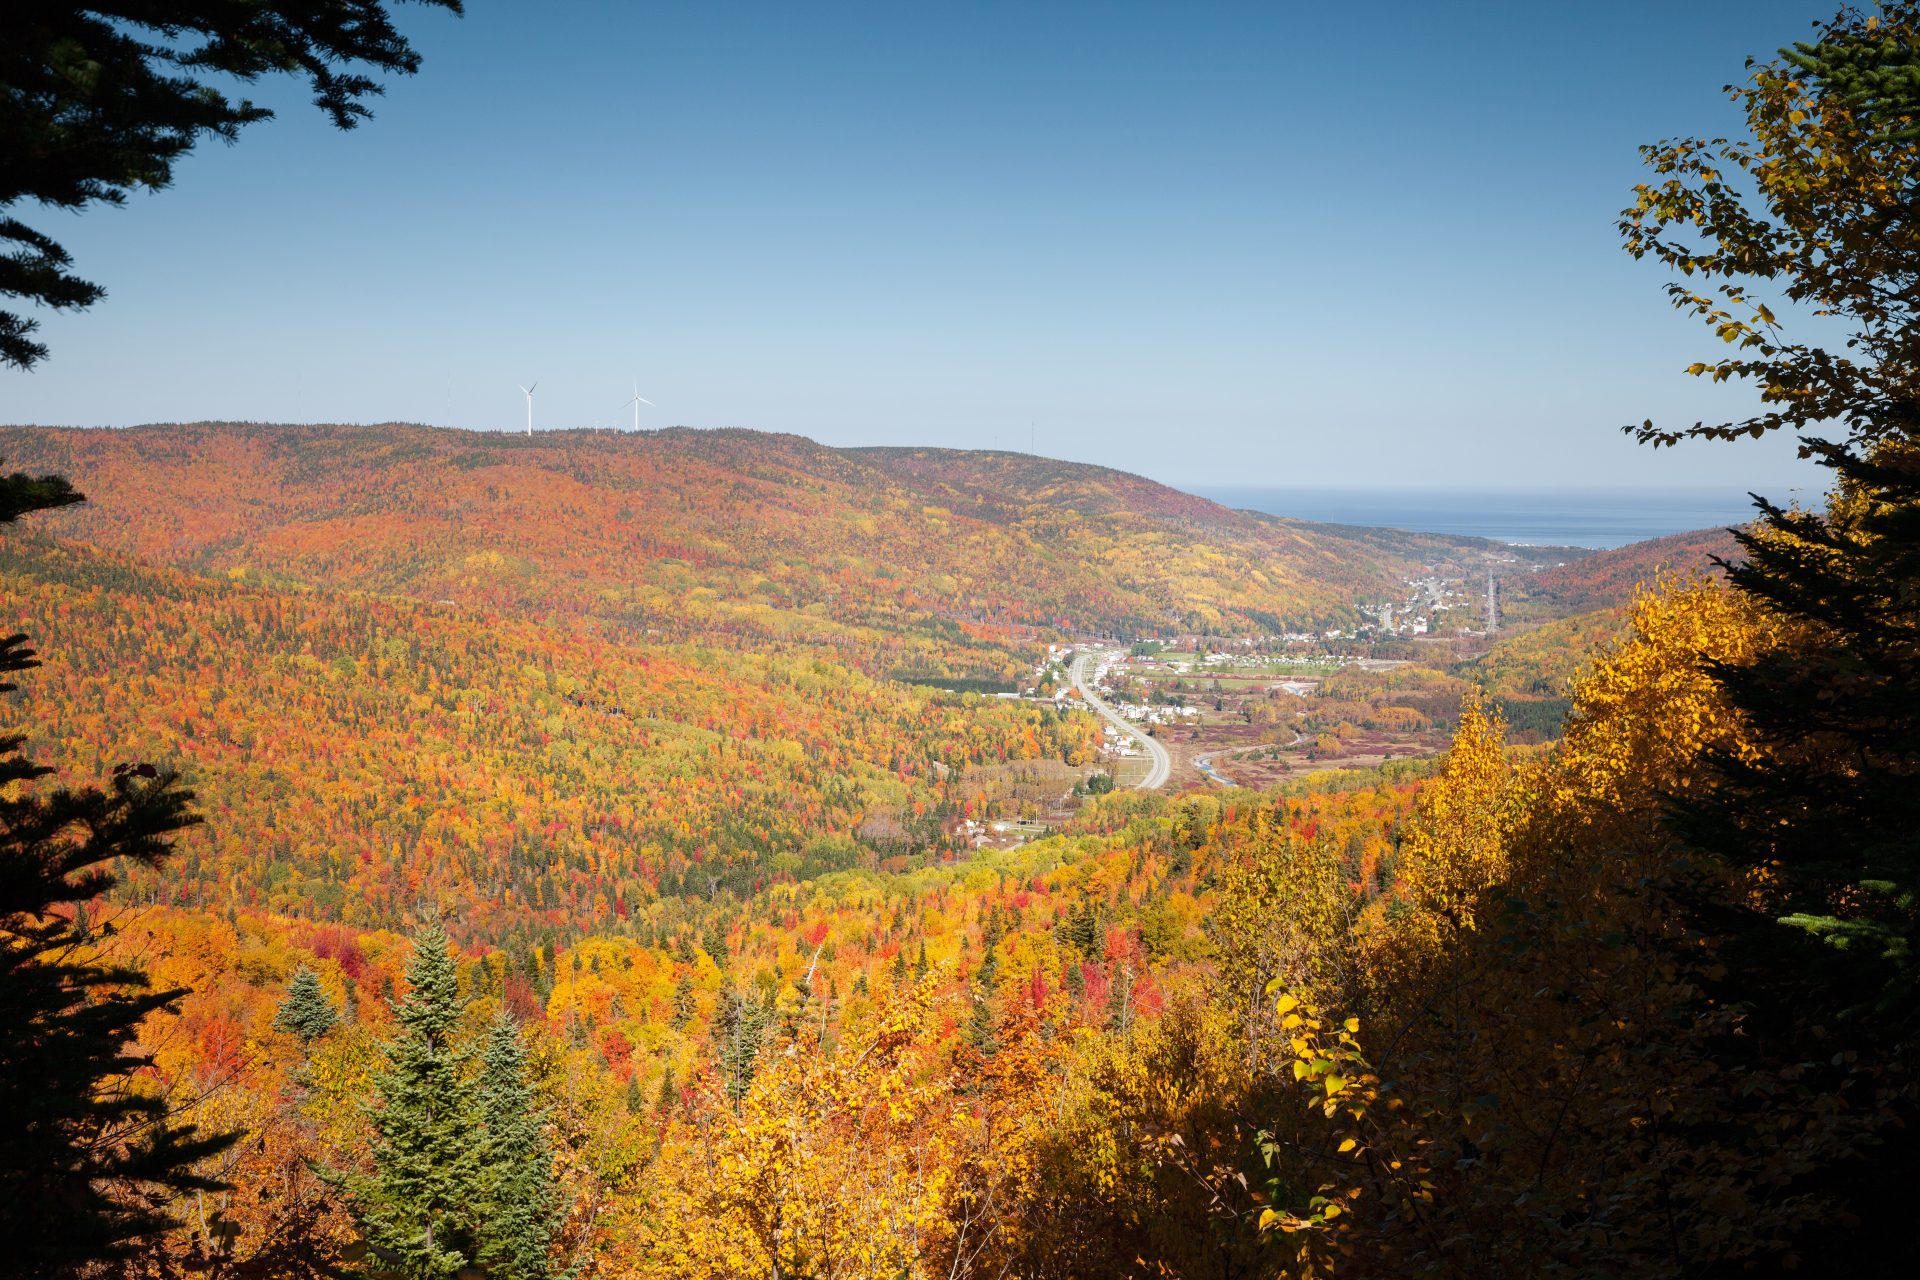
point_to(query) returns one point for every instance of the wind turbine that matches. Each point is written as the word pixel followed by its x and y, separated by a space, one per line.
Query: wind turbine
pixel 528 392
pixel 636 402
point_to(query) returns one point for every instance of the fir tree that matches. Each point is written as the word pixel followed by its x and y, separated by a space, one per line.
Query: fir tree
pixel 741 1028
pixel 86 1162
pixel 306 1011
pixel 714 942
pixel 1830 812
pixel 989 962
pixel 981 1032
pixel 683 1007
pixel 417 1207
pixel 521 1209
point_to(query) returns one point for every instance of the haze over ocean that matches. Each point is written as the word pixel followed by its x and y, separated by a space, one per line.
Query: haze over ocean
pixel 1560 517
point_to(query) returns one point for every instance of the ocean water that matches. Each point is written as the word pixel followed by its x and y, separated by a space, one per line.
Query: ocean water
pixel 1598 518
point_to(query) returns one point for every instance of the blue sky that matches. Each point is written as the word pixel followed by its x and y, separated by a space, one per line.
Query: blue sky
pixel 1249 244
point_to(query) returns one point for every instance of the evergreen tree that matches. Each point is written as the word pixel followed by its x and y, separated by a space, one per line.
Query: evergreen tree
pixel 521 1211
pixel 1805 909
pixel 417 1208
pixel 741 1027
pixel 981 1031
pixel 714 942
pixel 1830 811
pixel 86 1160
pixel 989 969
pixel 306 1011
pixel 683 1007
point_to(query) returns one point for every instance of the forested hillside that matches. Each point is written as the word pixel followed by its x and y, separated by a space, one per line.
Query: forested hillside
pixel 1608 579
pixel 554 679
pixel 771 539
pixel 437 856
pixel 1558 620
pixel 357 752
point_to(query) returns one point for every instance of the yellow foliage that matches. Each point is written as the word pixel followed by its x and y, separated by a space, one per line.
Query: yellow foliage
pixel 847 1164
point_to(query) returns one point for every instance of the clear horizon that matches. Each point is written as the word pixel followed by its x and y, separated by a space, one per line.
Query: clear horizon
pixel 1233 240
pixel 1210 488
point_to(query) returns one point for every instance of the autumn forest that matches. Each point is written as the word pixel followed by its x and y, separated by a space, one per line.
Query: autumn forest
pixel 428 853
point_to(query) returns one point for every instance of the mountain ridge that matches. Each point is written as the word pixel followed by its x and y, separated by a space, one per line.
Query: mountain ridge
pixel 594 523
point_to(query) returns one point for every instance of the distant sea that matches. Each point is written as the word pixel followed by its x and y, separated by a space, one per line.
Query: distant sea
pixel 1598 518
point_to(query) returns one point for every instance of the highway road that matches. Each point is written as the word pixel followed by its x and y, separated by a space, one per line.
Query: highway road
pixel 1162 762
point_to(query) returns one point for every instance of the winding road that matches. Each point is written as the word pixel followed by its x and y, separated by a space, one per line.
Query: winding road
pixel 1162 765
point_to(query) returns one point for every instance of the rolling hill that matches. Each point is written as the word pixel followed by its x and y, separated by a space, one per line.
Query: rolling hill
pixel 1564 615
pixel 730 533
pixel 548 680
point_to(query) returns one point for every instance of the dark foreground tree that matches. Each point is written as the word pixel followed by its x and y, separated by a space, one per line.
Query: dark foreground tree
pixel 1819 210
pixel 99 100
pixel 90 1154
pixel 1809 894
pixel 1829 813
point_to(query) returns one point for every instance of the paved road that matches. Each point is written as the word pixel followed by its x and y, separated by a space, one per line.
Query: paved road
pixel 1205 763
pixel 1162 762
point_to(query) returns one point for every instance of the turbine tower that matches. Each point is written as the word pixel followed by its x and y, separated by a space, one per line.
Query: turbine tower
pixel 635 404
pixel 528 392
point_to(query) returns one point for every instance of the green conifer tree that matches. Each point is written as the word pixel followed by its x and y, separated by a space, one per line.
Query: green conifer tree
pixel 683 1007
pixel 714 942
pixel 306 1011
pixel 981 1031
pixel 742 1027
pixel 521 1210
pixel 417 1208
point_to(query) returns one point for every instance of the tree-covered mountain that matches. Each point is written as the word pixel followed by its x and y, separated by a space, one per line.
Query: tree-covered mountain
pixel 715 532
